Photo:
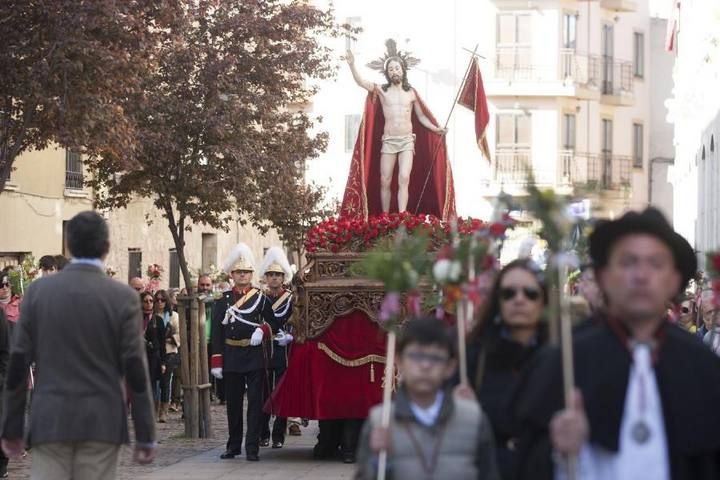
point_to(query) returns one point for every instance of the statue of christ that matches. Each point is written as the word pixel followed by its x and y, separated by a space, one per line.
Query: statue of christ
pixel 399 101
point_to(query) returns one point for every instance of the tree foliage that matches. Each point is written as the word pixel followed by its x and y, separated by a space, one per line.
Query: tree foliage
pixel 219 128
pixel 66 68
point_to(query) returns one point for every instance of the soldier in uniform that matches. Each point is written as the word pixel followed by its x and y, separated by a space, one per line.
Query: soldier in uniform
pixel 241 344
pixel 276 270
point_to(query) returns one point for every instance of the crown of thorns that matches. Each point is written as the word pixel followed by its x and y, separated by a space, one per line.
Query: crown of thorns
pixel 392 53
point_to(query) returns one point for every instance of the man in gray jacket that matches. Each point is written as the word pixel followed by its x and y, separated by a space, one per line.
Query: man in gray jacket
pixel 83 331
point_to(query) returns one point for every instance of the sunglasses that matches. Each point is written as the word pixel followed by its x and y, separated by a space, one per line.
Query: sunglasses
pixel 163 300
pixel 434 360
pixel 4 284
pixel 508 293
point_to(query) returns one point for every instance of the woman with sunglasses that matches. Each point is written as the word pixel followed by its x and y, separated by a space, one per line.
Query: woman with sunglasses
pixel 154 343
pixel 500 347
pixel 171 327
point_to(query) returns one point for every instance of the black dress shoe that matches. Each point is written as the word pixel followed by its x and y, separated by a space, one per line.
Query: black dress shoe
pixel 348 458
pixel 229 454
pixel 252 457
pixel 265 442
pixel 277 445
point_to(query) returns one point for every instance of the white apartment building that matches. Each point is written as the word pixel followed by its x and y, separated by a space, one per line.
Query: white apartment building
pixel 695 112
pixel 570 88
pixel 567 85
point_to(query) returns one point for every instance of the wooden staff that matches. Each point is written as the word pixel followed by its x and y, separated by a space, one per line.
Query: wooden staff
pixel 387 394
pixel 466 316
pixel 568 367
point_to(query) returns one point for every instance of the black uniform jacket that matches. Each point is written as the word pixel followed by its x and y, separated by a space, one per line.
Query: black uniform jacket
pixel 282 307
pixel 688 377
pixel 230 339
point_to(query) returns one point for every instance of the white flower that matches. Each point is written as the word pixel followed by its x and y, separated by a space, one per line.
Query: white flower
pixel 455 271
pixel 441 270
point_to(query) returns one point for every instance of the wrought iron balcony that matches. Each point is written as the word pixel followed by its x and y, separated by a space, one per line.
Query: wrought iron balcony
pixel 511 166
pixel 603 171
pixel 617 81
pixel 516 64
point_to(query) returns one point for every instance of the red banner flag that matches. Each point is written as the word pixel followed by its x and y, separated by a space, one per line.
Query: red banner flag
pixel 473 97
pixel 672 26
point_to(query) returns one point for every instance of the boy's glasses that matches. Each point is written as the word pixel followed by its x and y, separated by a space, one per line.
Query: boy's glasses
pixel 419 357
pixel 508 293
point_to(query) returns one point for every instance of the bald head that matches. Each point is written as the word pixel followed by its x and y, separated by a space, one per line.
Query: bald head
pixel 137 284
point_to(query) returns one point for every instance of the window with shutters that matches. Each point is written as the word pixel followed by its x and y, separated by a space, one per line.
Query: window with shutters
pixel 568 131
pixel 513 130
pixel 174 274
pixel 638 139
pixel 73 170
pixel 134 263
pixel 639 54
pixel 514 40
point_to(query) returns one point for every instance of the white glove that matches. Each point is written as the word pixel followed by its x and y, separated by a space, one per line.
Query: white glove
pixel 257 337
pixel 216 372
pixel 283 338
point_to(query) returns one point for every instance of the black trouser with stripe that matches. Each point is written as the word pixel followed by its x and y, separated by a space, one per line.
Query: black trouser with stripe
pixel 234 395
pixel 280 425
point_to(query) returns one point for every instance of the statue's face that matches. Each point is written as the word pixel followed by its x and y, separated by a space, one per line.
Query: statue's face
pixel 395 72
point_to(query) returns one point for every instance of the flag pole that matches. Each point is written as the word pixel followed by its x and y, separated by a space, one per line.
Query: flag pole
pixel 447 121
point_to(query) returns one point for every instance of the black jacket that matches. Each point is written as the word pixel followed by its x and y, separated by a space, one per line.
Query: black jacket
pixel 504 363
pixel 155 346
pixel 688 377
pixel 282 309
pixel 241 359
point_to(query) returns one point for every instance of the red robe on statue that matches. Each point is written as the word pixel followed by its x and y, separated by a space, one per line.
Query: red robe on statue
pixel 362 192
pixel 339 374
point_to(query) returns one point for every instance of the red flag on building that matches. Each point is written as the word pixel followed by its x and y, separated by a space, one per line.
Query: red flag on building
pixel 672 26
pixel 473 97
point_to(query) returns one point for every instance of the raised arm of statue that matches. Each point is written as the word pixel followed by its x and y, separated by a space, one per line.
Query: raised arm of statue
pixel 369 86
pixel 426 121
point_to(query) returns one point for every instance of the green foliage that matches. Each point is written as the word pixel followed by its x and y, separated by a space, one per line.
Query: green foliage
pixel 399 262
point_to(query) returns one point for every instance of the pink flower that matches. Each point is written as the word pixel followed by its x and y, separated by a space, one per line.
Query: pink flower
pixel 390 307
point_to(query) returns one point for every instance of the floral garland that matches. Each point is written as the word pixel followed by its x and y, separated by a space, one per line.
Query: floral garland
pixel 345 234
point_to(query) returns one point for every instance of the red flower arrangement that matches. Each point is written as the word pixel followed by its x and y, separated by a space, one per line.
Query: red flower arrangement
pixel 344 234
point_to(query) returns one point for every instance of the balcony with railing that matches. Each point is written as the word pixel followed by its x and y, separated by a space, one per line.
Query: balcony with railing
pixel 593 171
pixel 574 171
pixel 574 75
pixel 511 166
pixel 617 82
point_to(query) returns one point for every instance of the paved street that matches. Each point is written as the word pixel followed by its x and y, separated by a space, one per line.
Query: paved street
pixel 292 462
